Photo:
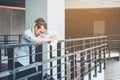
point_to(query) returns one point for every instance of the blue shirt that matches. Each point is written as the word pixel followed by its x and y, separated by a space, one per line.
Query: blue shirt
pixel 22 56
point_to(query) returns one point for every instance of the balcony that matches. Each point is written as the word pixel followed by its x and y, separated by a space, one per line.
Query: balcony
pixel 70 59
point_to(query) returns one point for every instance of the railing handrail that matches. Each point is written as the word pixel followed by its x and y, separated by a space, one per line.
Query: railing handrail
pixel 19 45
pixel 30 44
pixel 84 38
pixel 87 47
pixel 10 35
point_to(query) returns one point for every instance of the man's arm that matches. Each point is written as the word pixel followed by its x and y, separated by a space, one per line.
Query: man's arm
pixel 51 38
pixel 32 38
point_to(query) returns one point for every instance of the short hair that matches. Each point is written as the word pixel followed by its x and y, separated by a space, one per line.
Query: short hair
pixel 40 22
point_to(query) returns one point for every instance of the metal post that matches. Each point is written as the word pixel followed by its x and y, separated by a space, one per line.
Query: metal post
pixel 75 56
pixel 82 66
pixel 95 60
pixel 5 42
pixel 11 62
pixel 39 58
pixel 82 59
pixel 59 61
pixel 104 50
pixel 100 61
pixel 109 46
pixel 19 37
pixel 72 62
pixel 89 65
pixel 0 61
pixel 66 52
pixel 89 60
pixel 51 70
pixel 104 53
pixel 30 53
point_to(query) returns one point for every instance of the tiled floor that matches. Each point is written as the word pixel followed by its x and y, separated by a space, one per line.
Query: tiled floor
pixel 112 71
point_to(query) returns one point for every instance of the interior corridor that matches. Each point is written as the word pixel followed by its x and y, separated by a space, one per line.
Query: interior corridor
pixel 112 71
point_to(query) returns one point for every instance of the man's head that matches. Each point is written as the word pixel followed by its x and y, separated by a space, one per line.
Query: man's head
pixel 40 26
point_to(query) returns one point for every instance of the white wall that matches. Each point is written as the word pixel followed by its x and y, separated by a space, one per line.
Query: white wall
pixel 34 10
pixel 12 21
pixel 53 12
pixel 56 22
pixel 56 17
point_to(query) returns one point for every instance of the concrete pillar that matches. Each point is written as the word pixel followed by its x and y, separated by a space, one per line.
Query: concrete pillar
pixel 53 11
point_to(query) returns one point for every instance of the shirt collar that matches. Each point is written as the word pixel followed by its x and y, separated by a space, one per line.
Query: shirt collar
pixel 32 30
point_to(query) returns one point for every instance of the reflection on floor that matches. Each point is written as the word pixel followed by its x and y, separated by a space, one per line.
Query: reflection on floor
pixel 112 71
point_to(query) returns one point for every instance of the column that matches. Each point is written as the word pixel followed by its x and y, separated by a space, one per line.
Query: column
pixel 53 11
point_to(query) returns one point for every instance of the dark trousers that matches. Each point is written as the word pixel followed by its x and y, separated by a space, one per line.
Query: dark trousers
pixel 26 72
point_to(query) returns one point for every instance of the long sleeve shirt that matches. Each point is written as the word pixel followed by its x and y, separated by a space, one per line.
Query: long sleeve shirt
pixel 22 55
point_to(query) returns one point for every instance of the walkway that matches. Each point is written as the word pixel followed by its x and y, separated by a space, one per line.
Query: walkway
pixel 112 71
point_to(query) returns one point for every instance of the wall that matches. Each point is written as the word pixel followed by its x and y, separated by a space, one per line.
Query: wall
pixel 53 13
pixel 12 21
pixel 80 22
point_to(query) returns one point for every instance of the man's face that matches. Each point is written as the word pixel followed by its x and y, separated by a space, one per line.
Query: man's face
pixel 39 31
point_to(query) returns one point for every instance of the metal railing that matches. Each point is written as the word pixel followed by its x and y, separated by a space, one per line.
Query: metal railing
pixel 70 59
pixel 114 45
pixel 10 39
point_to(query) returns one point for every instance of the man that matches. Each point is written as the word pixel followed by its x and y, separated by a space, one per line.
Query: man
pixel 33 35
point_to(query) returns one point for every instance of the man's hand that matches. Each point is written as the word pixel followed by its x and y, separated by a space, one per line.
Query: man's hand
pixel 53 37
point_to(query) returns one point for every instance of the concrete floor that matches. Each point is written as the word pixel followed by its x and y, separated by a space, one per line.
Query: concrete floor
pixel 112 71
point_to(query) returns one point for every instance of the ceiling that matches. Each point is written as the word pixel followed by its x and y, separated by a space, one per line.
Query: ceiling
pixel 70 3
pixel 92 4
pixel 14 3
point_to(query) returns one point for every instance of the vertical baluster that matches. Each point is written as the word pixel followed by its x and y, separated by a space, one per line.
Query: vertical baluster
pixel 0 61
pixel 59 61
pixel 82 65
pixel 72 61
pixel 11 62
pixel 5 42
pixel 30 53
pixel 39 58
pixel 89 65
pixel 51 70
pixel 100 61
pixel 66 59
pixel 75 57
pixel 104 50
pixel 19 37
pixel 89 60
pixel 95 59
